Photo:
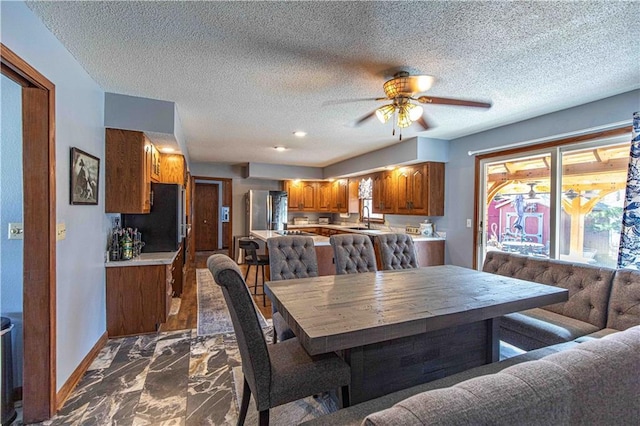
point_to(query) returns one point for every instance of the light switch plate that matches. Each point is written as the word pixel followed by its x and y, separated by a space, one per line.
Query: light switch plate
pixel 61 231
pixel 16 231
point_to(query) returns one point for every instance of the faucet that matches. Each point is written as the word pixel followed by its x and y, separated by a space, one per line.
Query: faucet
pixel 368 216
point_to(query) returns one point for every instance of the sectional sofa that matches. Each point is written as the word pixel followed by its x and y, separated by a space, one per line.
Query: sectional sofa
pixel 601 300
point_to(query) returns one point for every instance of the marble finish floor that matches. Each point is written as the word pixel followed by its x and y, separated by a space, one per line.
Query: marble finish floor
pixel 171 378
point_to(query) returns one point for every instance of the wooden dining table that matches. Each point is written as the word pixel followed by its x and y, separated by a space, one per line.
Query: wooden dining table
pixel 397 329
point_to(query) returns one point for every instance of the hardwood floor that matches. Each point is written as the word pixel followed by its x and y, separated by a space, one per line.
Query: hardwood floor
pixel 187 316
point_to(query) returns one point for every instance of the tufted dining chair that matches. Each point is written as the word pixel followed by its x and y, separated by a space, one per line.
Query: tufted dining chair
pixel 273 374
pixel 290 257
pixel 353 253
pixel 397 251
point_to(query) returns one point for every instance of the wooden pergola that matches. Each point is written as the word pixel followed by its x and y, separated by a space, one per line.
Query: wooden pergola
pixel 598 172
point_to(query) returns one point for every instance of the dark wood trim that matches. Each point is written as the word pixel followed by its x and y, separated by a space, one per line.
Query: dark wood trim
pixel 223 180
pixel 476 213
pixel 559 142
pixel 39 201
pixel 74 378
pixel 524 149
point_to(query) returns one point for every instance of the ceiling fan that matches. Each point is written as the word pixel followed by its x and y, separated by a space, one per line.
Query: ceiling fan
pixel 401 90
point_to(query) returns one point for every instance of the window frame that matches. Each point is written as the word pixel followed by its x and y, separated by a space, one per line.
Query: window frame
pixel 555 148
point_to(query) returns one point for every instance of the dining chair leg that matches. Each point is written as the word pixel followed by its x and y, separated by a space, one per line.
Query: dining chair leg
pixel 264 418
pixel 246 274
pixel 264 302
pixel 346 401
pixel 255 283
pixel 275 337
pixel 246 395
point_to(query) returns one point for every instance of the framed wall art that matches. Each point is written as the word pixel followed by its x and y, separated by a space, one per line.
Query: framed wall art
pixel 85 178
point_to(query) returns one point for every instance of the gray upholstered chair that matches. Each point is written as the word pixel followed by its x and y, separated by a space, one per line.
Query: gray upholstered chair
pixel 353 253
pixel 274 374
pixel 290 257
pixel 396 251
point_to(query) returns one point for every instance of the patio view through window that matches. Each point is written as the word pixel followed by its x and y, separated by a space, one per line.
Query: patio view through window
pixel 576 216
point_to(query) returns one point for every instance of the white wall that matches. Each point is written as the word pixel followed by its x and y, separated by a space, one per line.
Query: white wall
pixel 11 251
pixel 459 187
pixel 80 274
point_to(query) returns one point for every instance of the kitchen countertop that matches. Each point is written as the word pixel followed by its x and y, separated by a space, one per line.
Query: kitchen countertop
pixel 145 259
pixel 322 241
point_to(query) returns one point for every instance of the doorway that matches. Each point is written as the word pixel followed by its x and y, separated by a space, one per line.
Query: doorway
pixel 39 243
pixel 206 216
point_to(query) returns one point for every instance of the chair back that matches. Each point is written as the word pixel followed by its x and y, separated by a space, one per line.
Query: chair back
pixel 256 364
pixel 250 248
pixel 397 251
pixel 292 257
pixel 353 253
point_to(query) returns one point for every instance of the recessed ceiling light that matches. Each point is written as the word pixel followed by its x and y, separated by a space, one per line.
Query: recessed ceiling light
pixel 280 148
pixel 167 149
pixel 300 134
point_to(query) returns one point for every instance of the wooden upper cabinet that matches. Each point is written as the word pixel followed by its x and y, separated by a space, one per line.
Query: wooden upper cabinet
pixel 301 195
pixel 325 196
pixel 127 166
pixel 309 196
pixel 293 194
pixel 172 169
pixel 384 197
pixel 412 190
pixel 340 196
pixel 435 189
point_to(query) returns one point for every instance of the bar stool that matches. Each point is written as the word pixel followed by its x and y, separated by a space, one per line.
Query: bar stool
pixel 252 258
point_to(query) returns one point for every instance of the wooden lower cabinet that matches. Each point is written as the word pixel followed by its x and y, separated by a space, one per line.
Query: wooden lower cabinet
pixel 139 297
pixel 430 253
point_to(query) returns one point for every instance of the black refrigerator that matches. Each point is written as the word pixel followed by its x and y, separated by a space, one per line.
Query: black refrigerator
pixel 162 229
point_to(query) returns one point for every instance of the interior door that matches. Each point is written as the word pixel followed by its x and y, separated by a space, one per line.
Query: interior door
pixel 206 217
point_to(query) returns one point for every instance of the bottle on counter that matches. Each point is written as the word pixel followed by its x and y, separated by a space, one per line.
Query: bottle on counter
pixel 127 245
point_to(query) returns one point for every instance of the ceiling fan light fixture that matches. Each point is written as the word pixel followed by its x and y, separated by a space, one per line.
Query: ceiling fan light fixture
pixel 385 112
pixel 403 117
pixel 415 111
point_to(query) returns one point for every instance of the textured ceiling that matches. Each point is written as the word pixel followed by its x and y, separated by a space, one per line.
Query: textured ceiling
pixel 246 75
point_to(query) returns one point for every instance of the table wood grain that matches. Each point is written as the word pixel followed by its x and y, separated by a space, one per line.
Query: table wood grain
pixel 397 329
pixel 333 313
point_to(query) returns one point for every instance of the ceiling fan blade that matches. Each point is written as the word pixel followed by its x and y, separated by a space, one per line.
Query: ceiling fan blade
pixel 346 101
pixel 451 101
pixel 364 118
pixel 422 122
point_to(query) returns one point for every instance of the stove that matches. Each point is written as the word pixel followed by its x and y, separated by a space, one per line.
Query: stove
pixel 295 232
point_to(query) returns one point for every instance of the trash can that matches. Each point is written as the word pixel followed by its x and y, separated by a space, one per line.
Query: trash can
pixel 8 411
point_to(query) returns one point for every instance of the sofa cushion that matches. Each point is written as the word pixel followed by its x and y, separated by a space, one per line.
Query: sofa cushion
pixel 355 414
pixel 536 328
pixel 588 286
pixel 516 394
pixel 624 304
pixel 597 335
pixel 593 383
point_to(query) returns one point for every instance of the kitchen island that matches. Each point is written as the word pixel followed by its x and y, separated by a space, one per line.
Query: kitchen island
pixel 429 250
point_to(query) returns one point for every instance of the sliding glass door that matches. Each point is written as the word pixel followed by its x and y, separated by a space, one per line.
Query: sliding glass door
pixel 561 202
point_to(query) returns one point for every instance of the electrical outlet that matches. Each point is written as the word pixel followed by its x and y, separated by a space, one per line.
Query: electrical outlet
pixel 468 223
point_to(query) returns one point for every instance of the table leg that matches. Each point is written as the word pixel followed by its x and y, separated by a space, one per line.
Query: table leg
pixel 493 340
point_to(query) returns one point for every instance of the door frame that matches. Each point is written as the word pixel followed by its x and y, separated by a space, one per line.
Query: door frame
pixel 39 217
pixel 225 182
